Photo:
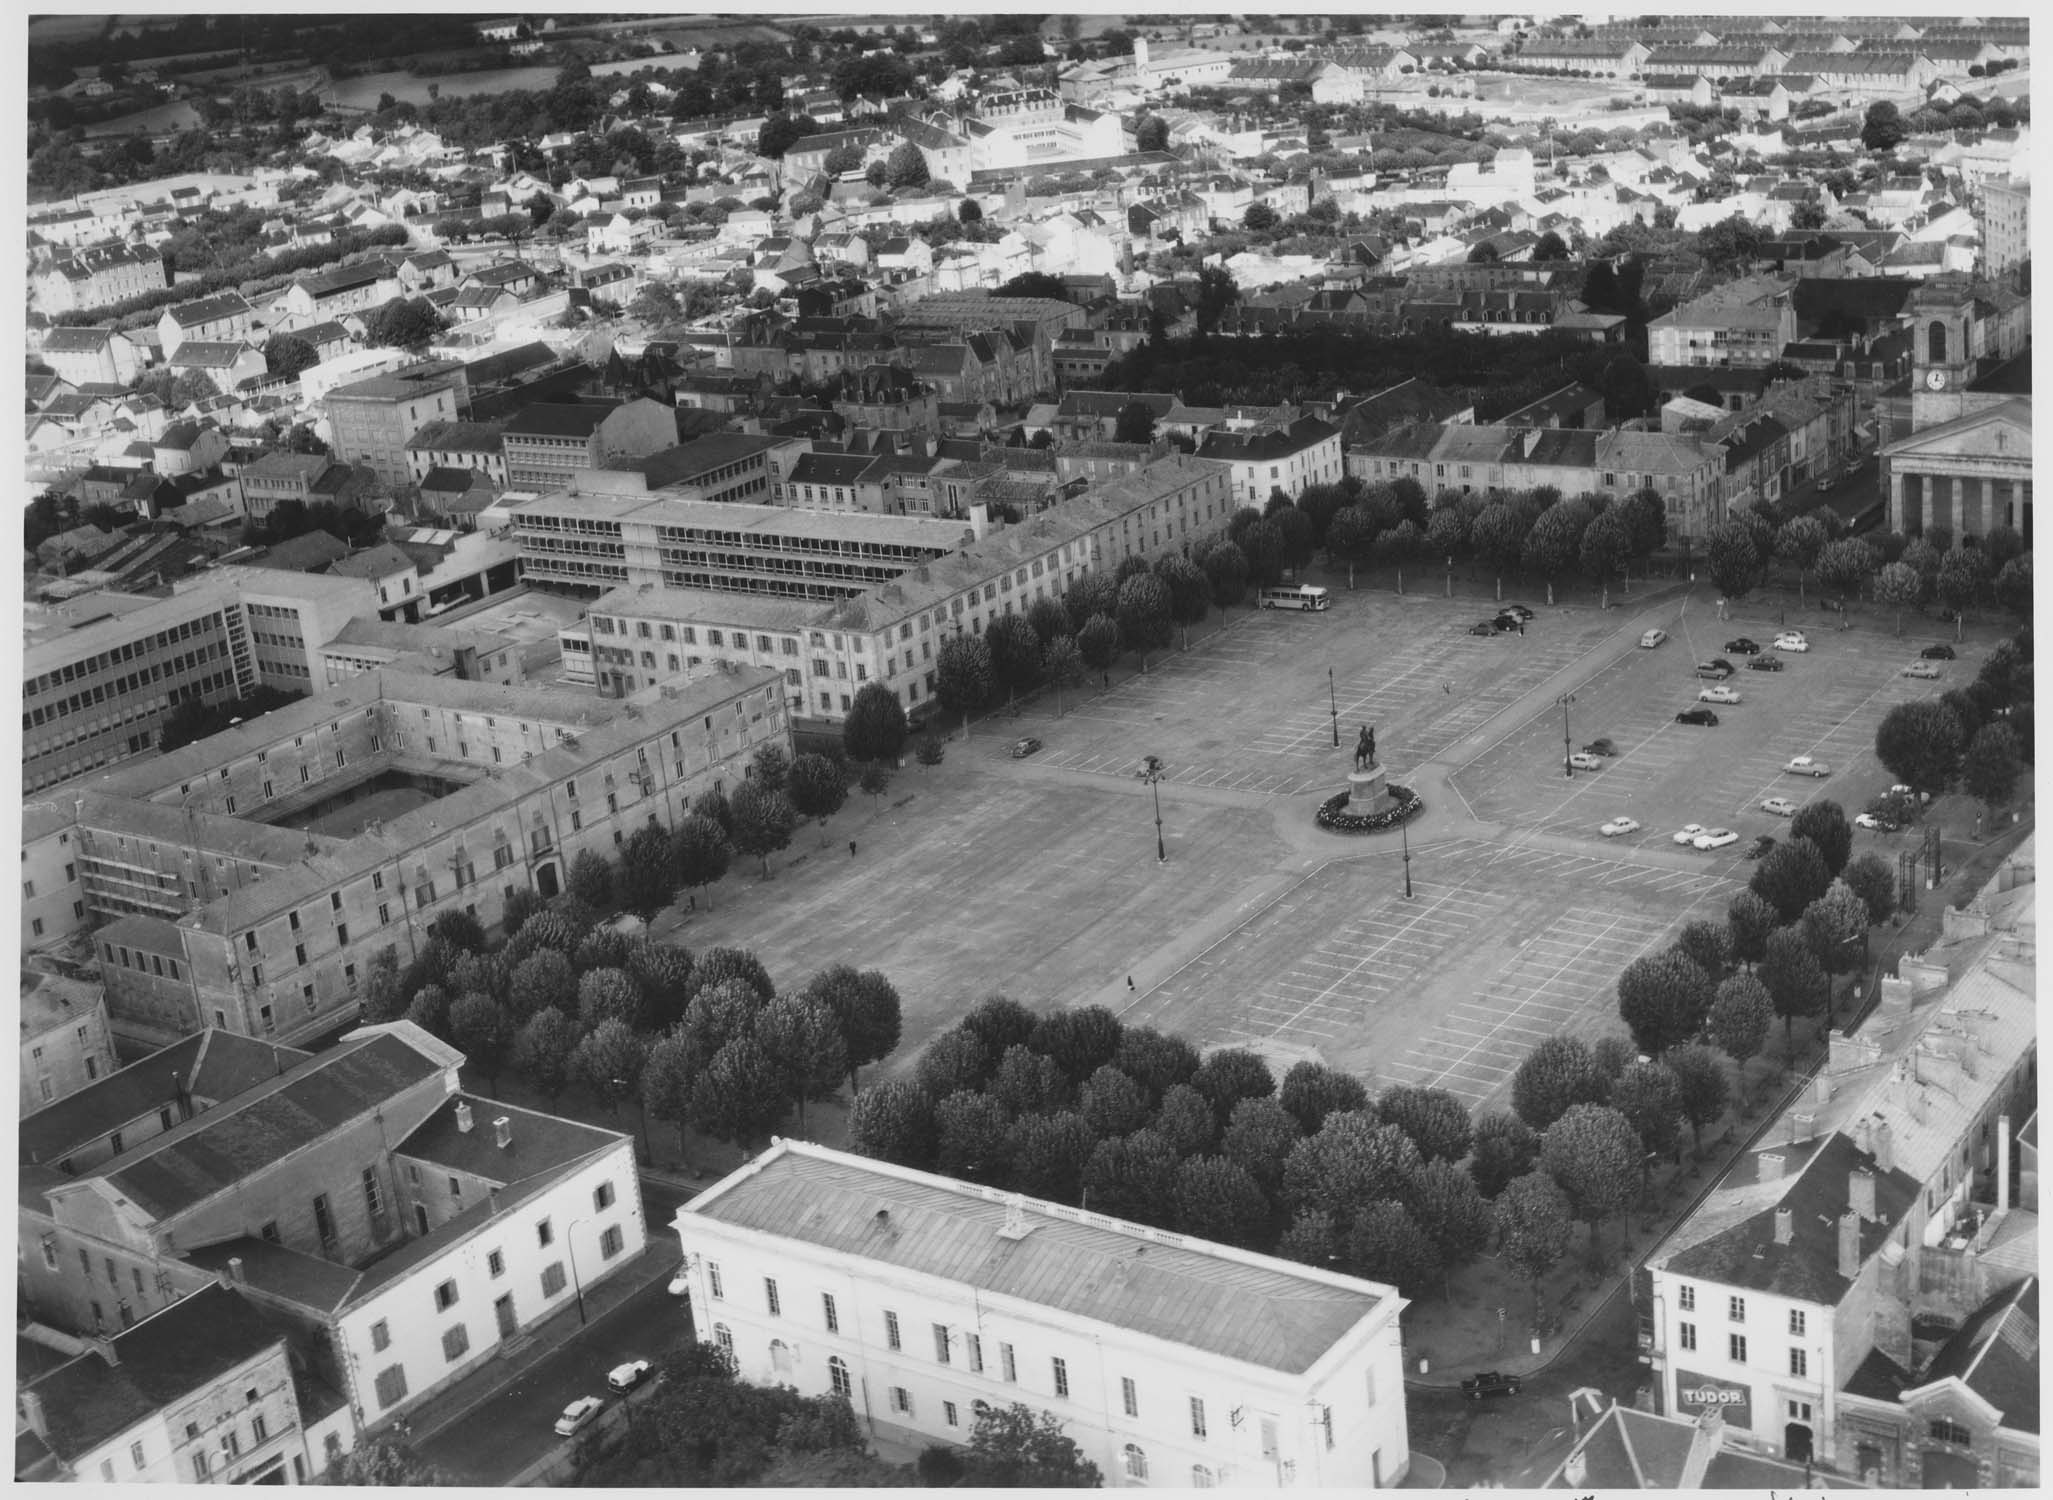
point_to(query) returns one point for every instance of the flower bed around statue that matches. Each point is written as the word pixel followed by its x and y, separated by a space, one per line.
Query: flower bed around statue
pixel 1333 812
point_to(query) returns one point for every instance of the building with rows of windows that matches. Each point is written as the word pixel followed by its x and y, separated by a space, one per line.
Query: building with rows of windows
pixel 1169 1361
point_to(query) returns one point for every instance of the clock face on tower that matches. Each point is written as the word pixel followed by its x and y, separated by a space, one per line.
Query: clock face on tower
pixel 1936 379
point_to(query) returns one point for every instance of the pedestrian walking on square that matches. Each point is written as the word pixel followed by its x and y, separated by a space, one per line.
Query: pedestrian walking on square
pixel 851 848
pixel 1129 985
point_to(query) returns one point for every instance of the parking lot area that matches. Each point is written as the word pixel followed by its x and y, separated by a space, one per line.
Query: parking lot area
pixel 1825 703
pixel 1500 946
pixel 1251 708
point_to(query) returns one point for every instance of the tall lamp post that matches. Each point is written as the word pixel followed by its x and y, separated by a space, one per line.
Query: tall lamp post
pixel 1333 699
pixel 1567 766
pixel 1404 835
pixel 1153 777
pixel 578 1286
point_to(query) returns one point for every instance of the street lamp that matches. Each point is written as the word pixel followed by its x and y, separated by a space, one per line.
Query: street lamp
pixel 1152 775
pixel 1567 766
pixel 1333 698
pixel 1404 836
pixel 570 1240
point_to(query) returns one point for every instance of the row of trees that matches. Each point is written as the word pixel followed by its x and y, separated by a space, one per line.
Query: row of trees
pixel 1980 737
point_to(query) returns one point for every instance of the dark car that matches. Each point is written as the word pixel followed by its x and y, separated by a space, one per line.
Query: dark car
pixel 1489 1383
pixel 1600 747
pixel 1516 611
pixel 1937 653
pixel 1765 664
pixel 1760 846
pixel 1482 628
pixel 1743 647
pixel 1702 717
pixel 1506 622
pixel 1717 667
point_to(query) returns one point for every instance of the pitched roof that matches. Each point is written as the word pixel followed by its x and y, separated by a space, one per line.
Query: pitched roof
pixel 557 419
pixel 381 561
pixel 1996 1355
pixel 1223 1303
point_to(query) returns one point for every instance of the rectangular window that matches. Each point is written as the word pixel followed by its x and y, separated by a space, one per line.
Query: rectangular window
pixel 713 1280
pixel 1686 1298
pixel 832 1315
pixel 373 1200
pixel 1006 1365
pixel 901 1400
pixel 445 1296
pixel 1686 1335
pixel 948 1413
pixel 455 1342
pixel 391 1384
pixel 611 1242
pixel 602 1196
pixel 1799 1362
pixel 1736 1309
pixel 1736 1348
pixel 552 1278
pixel 1129 1397
pixel 259 1430
pixel 941 1343
pixel 891 1330
pixel 495 1263
pixel 135 1454
pixel 1060 1368
pixel 1796 1321
pixel 545 1234
pixel 1197 1416
pixel 202 1466
pixel 975 1346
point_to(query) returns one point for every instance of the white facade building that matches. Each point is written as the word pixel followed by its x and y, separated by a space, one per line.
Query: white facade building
pixel 1169 1361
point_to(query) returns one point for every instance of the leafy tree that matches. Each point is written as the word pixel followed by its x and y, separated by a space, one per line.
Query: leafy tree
pixel 607 995
pixel 1049 1153
pixel 1216 292
pixel 1444 1202
pixel 818 788
pixel 1794 979
pixel 1154 1060
pixel 803 1042
pixel 1606 544
pixel 1350 536
pixel 1882 128
pixel 963 675
pixel 1799 541
pixel 602 948
pixel 1259 1136
pixel 1533 1218
pixel 1230 1075
pixel 286 356
pixel 1311 1091
pixel 1701 1088
pixel 1134 423
pixel 1218 1200
pixel 1832 924
pixel 739 1096
pixel 763 822
pixel 1190 591
pixel 973 1137
pixel 1790 877
pixel 781 132
pixel 1555 541
pixel 1593 1152
pixel 1434 1119
pixel 1351 1161
pixel 667 1078
pixel 1384 1243
pixel 1505 1148
pixel 1080 1040
pixel 769 769
pixel 894 1121
pixel 1029 1083
pixel 542 1051
pixel 875 726
pixel 1824 823
pixel 1898 587
pixel 1015 653
pixel 874 782
pixel 1554 1077
pixel 1990 770
pixel 712 805
pixel 384 1462
pixel 1012 1447
pixel 648 877
pixel 1112 1103
pixel 1919 743
pixel 1133 1177
pixel 1740 1017
pixel 1871 878
pixel 1749 919
pixel 1650 1097
pixel 1498 535
pixel 429 1010
pixel 1000 1022
pixel 609 1063
pixel 699 852
pixel 591 880
pixel 478 1025
pixel 1663 998
pixel 1227 568
pixel 1144 614
pixel 542 980
pixel 2014 586
pixel 404 323
pixel 865 1006
pixel 1708 945
pixel 1734 562
pixel 1842 564
pixel 956 1061
pixel 1050 618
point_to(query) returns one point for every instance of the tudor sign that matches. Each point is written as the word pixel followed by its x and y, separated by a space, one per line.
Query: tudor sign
pixel 1696 1394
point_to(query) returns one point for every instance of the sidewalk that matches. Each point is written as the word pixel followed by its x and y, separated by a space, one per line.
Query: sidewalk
pixel 452 1405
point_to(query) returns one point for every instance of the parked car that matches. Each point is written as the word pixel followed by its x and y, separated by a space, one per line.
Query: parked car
pixel 1940 652
pixel 1652 639
pixel 1791 640
pixel 1582 760
pixel 1620 826
pixel 1741 646
pixel 1716 838
pixel 576 1416
pixel 1506 623
pixel 1490 1383
pixel 1765 664
pixel 1876 822
pixel 1022 748
pixel 1808 765
pixel 1761 845
pixel 1483 627
pixel 1687 834
pixel 625 1377
pixel 1703 718
pixel 1717 667
pixel 1782 807
pixel 1600 747
pixel 1718 695
pixel 1923 669
pixel 1516 611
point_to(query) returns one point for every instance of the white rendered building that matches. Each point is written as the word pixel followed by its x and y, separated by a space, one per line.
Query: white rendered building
pixel 1170 1361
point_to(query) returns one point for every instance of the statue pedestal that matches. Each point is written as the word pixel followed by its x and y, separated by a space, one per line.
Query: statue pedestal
pixel 1367 791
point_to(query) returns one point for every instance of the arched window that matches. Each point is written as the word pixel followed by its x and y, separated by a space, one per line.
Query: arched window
pixel 1935 343
pixel 724 1337
pixel 1202 1478
pixel 837 1374
pixel 1136 1463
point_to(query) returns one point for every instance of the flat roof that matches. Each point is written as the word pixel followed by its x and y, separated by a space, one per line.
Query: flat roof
pixel 1205 1297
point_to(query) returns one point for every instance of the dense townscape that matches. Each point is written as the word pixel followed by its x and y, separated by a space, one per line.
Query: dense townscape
pixel 512 499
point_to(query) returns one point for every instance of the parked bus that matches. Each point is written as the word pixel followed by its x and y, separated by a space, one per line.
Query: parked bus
pixel 1298 596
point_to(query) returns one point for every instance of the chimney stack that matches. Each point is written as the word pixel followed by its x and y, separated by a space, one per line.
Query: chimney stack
pixel 1860 1194
pixel 1850 1245
pixel 33 1414
pixel 1785 1225
pixel 463 1120
pixel 1771 1165
pixel 503 1129
pixel 1801 1127
pixel 2002 1162
pixel 235 1269
pixel 1885 1148
pixel 1704 1444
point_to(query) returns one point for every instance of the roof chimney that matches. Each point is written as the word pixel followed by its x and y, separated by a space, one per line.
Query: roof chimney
pixel 32 1413
pixel 1771 1165
pixel 1885 1148
pixel 1850 1245
pixel 502 1128
pixel 235 1268
pixel 1704 1444
pixel 1785 1225
pixel 1801 1126
pixel 1860 1194
pixel 463 1120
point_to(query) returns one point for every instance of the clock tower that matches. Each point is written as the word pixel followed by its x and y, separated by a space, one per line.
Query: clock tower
pixel 1942 324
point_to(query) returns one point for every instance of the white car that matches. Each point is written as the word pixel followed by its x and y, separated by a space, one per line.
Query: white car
pixel 626 1377
pixel 1582 760
pixel 1782 807
pixel 1652 639
pixel 1791 640
pixel 578 1415
pixel 1808 765
pixel 1927 669
pixel 1872 823
pixel 1716 838
pixel 1689 833
pixel 1618 826
pixel 680 1284
pixel 1718 695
